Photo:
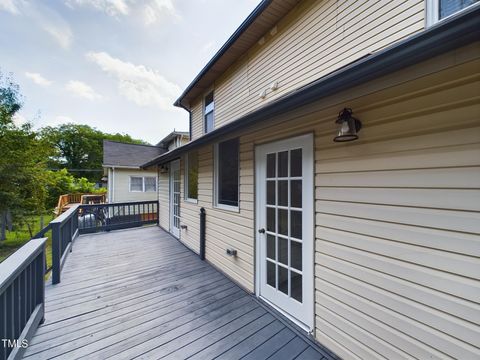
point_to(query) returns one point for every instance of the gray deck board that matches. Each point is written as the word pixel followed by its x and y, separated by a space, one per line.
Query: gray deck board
pixel 141 294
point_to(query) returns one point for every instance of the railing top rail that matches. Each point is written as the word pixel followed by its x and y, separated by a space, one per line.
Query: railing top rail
pixel 119 203
pixel 66 215
pixel 16 262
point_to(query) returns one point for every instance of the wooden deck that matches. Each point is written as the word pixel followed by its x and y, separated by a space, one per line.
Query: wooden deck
pixel 142 294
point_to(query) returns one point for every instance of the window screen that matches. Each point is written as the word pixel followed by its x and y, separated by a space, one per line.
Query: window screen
pixel 209 111
pixel 449 7
pixel 227 172
pixel 150 184
pixel 136 183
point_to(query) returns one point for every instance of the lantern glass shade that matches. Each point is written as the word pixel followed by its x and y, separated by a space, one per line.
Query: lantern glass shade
pixel 348 127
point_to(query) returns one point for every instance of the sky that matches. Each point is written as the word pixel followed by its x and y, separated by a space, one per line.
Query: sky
pixel 116 65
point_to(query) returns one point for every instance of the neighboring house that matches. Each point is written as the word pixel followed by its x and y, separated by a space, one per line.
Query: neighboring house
pixel 371 245
pixel 126 181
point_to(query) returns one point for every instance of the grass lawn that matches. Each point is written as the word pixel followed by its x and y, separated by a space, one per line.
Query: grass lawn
pixel 15 239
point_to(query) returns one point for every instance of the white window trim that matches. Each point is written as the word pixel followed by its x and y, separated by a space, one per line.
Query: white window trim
pixel 187 199
pixel 432 12
pixel 215 183
pixel 211 90
pixel 143 184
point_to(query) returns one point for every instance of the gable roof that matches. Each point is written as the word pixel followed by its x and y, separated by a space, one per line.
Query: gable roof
pixel 129 155
pixel 452 33
pixel 262 19
pixel 164 142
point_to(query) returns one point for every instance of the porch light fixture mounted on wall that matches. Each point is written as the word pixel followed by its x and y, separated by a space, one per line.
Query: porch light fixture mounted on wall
pixel 348 126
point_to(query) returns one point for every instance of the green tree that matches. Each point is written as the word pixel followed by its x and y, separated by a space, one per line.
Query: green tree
pixel 79 148
pixel 62 182
pixel 22 160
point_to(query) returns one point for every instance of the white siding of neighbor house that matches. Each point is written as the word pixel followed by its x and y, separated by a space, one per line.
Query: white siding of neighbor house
pixel 397 249
pixel 121 186
pixel 314 39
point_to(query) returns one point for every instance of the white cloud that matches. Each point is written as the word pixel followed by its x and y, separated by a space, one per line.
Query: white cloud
pixel 137 83
pixel 110 7
pixel 9 6
pixel 38 79
pixel 81 89
pixel 59 31
pixel 157 9
pixel 150 10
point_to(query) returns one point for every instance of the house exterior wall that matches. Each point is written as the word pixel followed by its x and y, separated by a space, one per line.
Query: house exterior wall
pixel 121 186
pixel 397 212
pixel 314 39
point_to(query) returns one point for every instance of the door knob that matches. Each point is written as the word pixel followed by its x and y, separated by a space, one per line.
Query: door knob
pixel 261 231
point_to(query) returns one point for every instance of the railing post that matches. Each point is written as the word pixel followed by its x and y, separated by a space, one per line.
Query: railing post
pixel 158 213
pixel 56 252
pixel 40 271
pixel 202 233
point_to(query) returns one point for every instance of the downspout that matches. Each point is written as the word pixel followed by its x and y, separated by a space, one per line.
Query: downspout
pixel 113 184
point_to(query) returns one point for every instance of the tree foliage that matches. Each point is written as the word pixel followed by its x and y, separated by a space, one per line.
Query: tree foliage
pixel 62 182
pixel 79 148
pixel 23 157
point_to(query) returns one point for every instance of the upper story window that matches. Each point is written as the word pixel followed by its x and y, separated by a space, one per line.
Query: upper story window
pixel 208 111
pixel 441 9
pixel 191 176
pixel 143 184
pixel 226 174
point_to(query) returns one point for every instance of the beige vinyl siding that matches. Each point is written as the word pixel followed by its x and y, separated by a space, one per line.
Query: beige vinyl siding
pixel 314 39
pixel 164 199
pixel 197 118
pixel 397 248
pixel 121 186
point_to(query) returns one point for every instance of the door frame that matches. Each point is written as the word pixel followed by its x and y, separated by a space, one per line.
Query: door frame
pixel 307 143
pixel 170 198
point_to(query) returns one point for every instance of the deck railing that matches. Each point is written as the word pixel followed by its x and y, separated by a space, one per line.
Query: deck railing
pixel 22 296
pixel 22 274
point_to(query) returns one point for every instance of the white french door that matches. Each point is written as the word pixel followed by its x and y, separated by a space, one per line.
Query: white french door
pixel 284 218
pixel 175 198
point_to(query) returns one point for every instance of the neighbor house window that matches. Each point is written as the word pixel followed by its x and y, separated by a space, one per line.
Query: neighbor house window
pixel 441 9
pixel 226 174
pixel 143 184
pixel 208 111
pixel 150 183
pixel 191 176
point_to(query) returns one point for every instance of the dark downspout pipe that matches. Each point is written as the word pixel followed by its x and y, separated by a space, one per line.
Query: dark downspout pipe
pixel 202 233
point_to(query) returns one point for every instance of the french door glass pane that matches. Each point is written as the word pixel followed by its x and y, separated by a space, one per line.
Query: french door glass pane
pixel 296 162
pixel 296 224
pixel 271 165
pixel 283 164
pixel 282 279
pixel 296 286
pixel 296 255
pixel 283 250
pixel 271 247
pixel 283 192
pixel 270 273
pixel 271 219
pixel 296 193
pixel 283 222
pixel 271 192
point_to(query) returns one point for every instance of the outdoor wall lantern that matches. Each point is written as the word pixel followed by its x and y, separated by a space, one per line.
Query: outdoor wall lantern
pixel 348 126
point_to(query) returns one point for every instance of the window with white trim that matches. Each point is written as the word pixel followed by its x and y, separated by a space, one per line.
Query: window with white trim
pixel 438 10
pixel 227 174
pixel 143 184
pixel 191 176
pixel 208 112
